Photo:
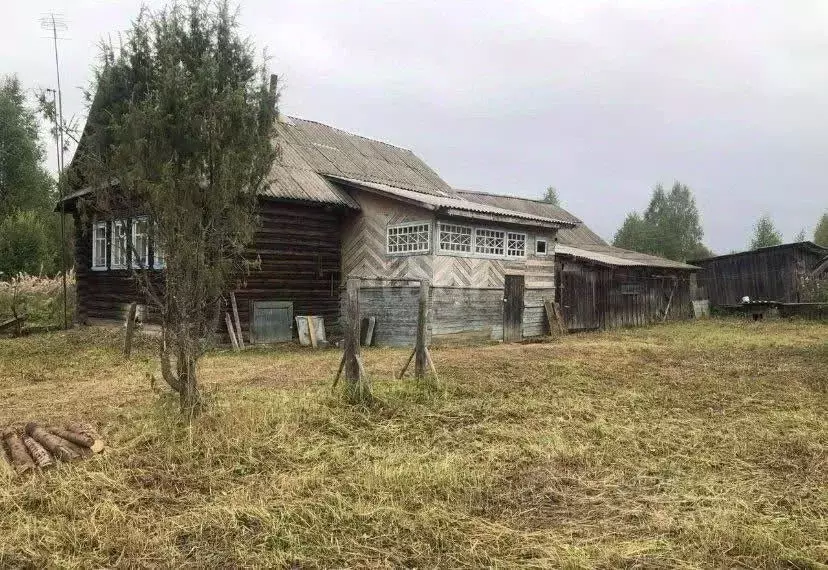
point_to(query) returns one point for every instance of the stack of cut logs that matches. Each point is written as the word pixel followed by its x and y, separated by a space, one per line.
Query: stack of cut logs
pixel 36 446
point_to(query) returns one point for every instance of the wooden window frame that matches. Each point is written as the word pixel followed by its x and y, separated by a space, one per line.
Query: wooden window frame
pixel 124 249
pixel 516 236
pixel 452 230
pixel 477 246
pixel 545 243
pixel 426 242
pixel 96 246
pixel 137 262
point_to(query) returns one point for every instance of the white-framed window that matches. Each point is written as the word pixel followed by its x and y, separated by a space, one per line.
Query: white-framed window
pixel 489 242
pixel 140 242
pixel 515 244
pixel 118 245
pixel 158 259
pixel 409 238
pixel 541 245
pixel 99 246
pixel 454 237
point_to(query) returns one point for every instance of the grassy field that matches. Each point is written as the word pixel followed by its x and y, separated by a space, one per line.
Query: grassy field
pixel 692 445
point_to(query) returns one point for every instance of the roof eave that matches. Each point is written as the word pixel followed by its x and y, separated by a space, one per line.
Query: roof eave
pixel 473 215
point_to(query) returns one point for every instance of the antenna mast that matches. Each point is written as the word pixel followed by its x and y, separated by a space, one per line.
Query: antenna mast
pixel 54 23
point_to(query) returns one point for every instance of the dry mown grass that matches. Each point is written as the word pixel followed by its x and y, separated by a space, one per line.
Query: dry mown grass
pixel 692 445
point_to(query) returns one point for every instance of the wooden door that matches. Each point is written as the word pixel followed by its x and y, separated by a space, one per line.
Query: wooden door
pixel 579 299
pixel 513 308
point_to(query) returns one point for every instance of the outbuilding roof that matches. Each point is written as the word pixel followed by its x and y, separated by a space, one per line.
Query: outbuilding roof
pixel 579 241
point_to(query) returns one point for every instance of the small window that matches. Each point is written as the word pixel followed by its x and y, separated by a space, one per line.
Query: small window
pixel 99 246
pixel 118 248
pixel 140 243
pixel 540 246
pixel 489 242
pixel 455 238
pixel 409 238
pixel 515 245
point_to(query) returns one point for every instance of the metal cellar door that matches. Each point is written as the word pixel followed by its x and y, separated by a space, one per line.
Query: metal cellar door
pixel 513 308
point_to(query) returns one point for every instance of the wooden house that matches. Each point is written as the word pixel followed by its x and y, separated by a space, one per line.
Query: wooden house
pixel 599 286
pixel 764 274
pixel 339 205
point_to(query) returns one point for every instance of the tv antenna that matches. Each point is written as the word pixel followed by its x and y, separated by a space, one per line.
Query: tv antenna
pixel 55 23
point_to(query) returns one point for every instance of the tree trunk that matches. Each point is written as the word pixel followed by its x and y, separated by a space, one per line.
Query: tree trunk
pixel 189 395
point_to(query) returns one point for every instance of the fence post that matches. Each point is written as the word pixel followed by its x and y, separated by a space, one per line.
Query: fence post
pixel 356 380
pixel 420 357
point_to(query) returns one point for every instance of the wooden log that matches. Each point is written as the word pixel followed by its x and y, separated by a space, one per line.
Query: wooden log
pixel 50 442
pixel 82 451
pixel 20 457
pixel 130 328
pixel 236 320
pixel 351 344
pixel 6 467
pixel 88 431
pixel 79 440
pixel 420 357
pixel 230 331
pixel 41 457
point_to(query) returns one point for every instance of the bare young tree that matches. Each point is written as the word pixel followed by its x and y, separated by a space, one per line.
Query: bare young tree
pixel 180 130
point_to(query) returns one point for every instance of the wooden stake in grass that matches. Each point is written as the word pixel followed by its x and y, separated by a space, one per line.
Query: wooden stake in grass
pixel 130 328
pixel 357 387
pixel 421 355
pixel 41 457
pixel 50 442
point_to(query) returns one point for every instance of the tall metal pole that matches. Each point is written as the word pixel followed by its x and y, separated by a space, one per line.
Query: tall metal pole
pixel 59 139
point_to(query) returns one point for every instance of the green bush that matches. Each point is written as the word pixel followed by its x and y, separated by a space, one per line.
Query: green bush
pixel 26 245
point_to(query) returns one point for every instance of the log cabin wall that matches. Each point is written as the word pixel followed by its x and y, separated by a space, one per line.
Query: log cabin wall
pixel 299 248
pixel 771 274
pixel 466 301
pixel 594 296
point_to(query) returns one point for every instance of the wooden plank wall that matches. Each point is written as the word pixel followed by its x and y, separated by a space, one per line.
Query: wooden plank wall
pixel 770 275
pixel 299 248
pixel 622 296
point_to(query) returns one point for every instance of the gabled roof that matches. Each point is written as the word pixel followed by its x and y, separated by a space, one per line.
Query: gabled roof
pixel 579 241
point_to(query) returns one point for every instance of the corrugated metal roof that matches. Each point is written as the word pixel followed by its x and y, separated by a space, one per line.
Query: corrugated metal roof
pixel 578 235
pixel 454 205
pixel 329 151
pixel 808 245
pixel 611 255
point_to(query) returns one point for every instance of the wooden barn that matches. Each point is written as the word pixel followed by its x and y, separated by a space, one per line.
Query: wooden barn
pixel 765 274
pixel 599 286
pixel 340 205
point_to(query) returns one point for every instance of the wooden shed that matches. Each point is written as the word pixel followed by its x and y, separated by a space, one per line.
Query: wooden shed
pixel 599 286
pixel 765 274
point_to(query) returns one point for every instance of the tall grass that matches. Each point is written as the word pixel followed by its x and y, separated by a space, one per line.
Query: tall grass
pixel 39 298
pixel 685 445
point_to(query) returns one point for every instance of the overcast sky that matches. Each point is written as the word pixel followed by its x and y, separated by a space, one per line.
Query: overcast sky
pixel 600 99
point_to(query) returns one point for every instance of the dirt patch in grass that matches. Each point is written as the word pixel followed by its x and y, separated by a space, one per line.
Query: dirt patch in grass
pixel 690 445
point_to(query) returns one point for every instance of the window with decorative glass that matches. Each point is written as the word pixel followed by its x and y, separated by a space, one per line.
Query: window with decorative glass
pixel 118 247
pixel 455 238
pixel 140 242
pixel 515 245
pixel 489 242
pixel 409 238
pixel 99 246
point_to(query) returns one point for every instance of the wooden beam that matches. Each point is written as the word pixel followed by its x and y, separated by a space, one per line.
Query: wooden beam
pixel 311 331
pixel 236 320
pixel 230 331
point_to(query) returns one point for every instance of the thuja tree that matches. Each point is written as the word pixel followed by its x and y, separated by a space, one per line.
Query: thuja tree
pixel 180 129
